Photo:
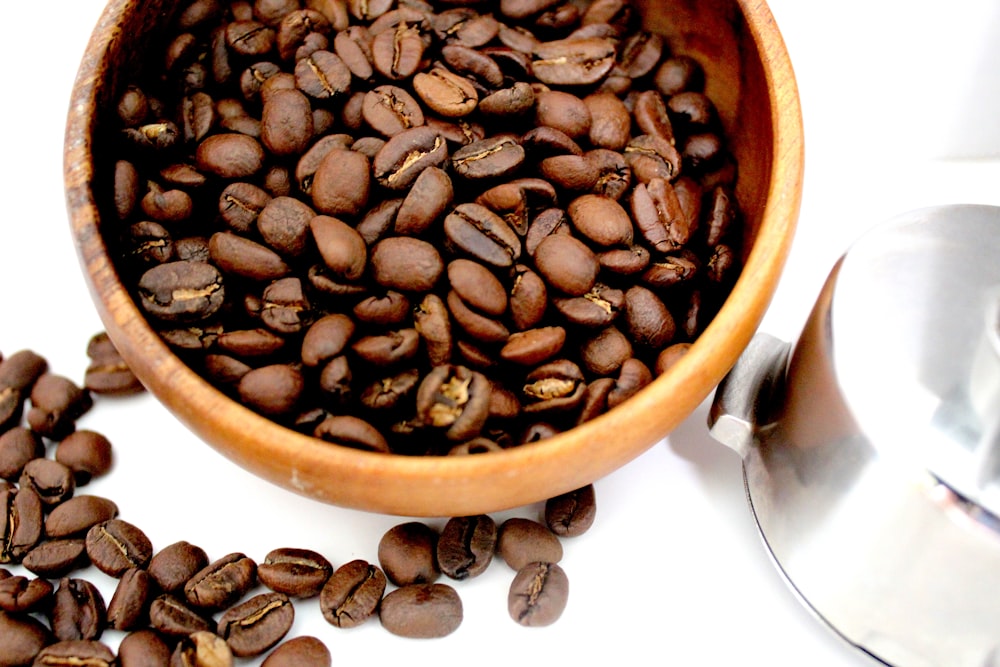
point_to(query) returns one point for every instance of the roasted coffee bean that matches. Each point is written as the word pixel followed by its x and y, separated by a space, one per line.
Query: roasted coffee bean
pixel 473 64
pixel 77 515
pixel 350 431
pixel 677 74
pixel 284 225
pixel 352 594
pixel 239 256
pixel 633 376
pixel 55 558
pixel 650 157
pixel 397 53
pixel 24 638
pixel 553 387
pixel 628 261
pixel 18 446
pixel 353 46
pixel 143 648
pixel 432 322
pixel 107 372
pixel 302 651
pixel 480 328
pixel 573 62
pixel 522 541
pixel 563 111
pixel 175 564
pixel 538 594
pixel 388 349
pixel 571 514
pixel 669 356
pixel 669 271
pixel 86 453
pixel 284 307
pixel 78 610
pixel 322 75
pixel 407 553
pixel 466 546
pixel 76 652
pixel 422 611
pixel 343 249
pixel 604 352
pixel 286 122
pixel 231 156
pixel 222 582
pixel 445 92
pixel 149 243
pixel 597 308
pixel 326 338
pixel 257 624
pixel 494 157
pixel 398 164
pixel 18 373
pixel 181 292
pixel 23 595
pixel 406 264
pixel 519 200
pixel 610 121
pixel 601 220
pixel 115 546
pixel 341 184
pixel 297 573
pixel 21 523
pixel 534 346
pixel 466 27
pixel 171 617
pixel 455 400
pixel 385 309
pixel 431 194
pixel 201 649
pixel 129 605
pixel 390 110
pixel 528 298
pixel 649 321
pixel 250 343
pixel 56 403
pixel 482 234
pixel 543 142
pixel 477 286
pixel 567 264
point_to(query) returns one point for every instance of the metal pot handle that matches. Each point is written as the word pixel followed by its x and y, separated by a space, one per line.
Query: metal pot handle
pixel 744 400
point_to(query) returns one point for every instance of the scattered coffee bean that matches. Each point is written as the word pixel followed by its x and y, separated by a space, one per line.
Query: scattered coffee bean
pixel 76 652
pixel 352 594
pixel 24 639
pixel 422 611
pixel 466 546
pixel 257 624
pixel 302 651
pixel 408 554
pixel 538 594
pixel 523 541
pixel 78 610
pixel 201 649
pixel 297 573
pixel 222 582
pixel 115 546
pixel 571 514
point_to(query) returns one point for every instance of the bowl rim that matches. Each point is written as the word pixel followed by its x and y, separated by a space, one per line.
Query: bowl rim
pixel 672 395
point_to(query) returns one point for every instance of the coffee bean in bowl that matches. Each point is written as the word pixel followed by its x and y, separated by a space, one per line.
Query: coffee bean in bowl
pixel 397 265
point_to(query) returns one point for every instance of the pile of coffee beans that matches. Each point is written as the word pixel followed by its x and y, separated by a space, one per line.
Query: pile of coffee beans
pixel 418 226
pixel 177 606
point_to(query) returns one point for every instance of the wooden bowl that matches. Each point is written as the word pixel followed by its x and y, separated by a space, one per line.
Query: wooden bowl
pixel 751 81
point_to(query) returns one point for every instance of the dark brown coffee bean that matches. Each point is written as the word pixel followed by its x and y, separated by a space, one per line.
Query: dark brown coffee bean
pixel 171 617
pixel 166 205
pixel 466 27
pixel 286 122
pixel 670 270
pixel 601 220
pixel 18 373
pixel 428 198
pixel 350 431
pixel 21 523
pixel 640 53
pixel 284 308
pixel 454 399
pixel 21 595
pixel 55 558
pixel 563 111
pixel 86 453
pixel 231 156
pixel 407 553
pixel 522 541
pixel 192 249
pixel 129 604
pixel 302 651
pixel 528 298
pixel 480 328
pixel 298 573
pixel 554 386
pixel 633 376
pixel 284 225
pixel 388 349
pixel 343 249
pixel 604 352
pixel 571 514
pixel 534 346
pixel 76 652
pixel 114 546
pixel 181 292
pixel 24 638
pixel 175 564
pixel 201 649
pixel 250 343
pixel 78 610
pixel 341 184
pixel 422 611
pixel 390 110
pixel 576 173
pixel 143 648
pixel 272 390
pixel 386 309
pixel 576 62
pixel 677 74
pixel 221 582
pixel 398 53
pixel 446 93
pixel 322 75
pixel 51 480
pixel 18 446
pixel 335 383
pixel 650 157
pixel 406 264
pixel 466 546
pixel 352 594
pixel 477 286
pixel 107 373
pixel 149 243
pixel 56 403
pixel 610 121
pixel 326 338
pixel 721 217
pixel 538 594
pixel 482 234
pixel 567 264
pixel 257 624
pixel 649 321
pixel 543 142
pixel 493 157
pixel 75 516
pixel 597 308
pixel 467 61
pixel 398 164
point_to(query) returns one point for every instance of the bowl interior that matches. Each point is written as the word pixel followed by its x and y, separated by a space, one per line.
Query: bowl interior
pixel 751 82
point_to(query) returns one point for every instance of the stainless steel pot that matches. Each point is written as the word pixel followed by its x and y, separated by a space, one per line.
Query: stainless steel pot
pixel 871 446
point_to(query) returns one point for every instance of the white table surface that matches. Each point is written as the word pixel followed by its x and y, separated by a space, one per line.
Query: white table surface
pixel 900 104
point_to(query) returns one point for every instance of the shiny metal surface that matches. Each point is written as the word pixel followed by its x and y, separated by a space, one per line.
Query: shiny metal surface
pixel 872 458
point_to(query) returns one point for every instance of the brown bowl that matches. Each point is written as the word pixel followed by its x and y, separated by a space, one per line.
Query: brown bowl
pixel 751 81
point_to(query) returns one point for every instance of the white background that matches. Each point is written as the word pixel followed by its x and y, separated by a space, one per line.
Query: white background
pixel 901 104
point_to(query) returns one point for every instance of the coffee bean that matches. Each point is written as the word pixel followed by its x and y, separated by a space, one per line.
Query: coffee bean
pixel 611 123
pixel 567 264
pixel 77 515
pixel 18 446
pixel 298 573
pixel 350 431
pixel 483 235
pixel 528 298
pixel 24 638
pixel 222 582
pixel 352 594
pixel 477 286
pixel 466 546
pixel 322 75
pixel 534 346
pixel 454 399
pixel 398 53
pixel 171 617
pixel 286 122
pixel 201 649
pixel 538 594
pixel 573 62
pixel 571 514
pixel 555 386
pixel 230 156
pixel 422 611
pixel 597 308
pixel 257 624
pixel 18 373
pixel 523 541
pixel 431 194
pixel 76 652
pixel 601 220
pixel 406 264
pixel 385 309
pixel 56 403
pixel 129 604
pixel 494 157
pixel 341 184
pixel 302 651
pixel 143 648
pixel 21 523
pixel 55 558
pixel 115 545
pixel 432 322
pixel 107 372
pixel 604 352
pixel 78 610
pixel 398 164
pixel 23 595
pixel 175 564
pixel 445 92
pixel 86 453
pixel 343 250
pixel 181 292
pixel 407 553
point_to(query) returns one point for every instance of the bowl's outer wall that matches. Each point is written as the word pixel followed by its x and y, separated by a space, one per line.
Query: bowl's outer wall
pixel 752 83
